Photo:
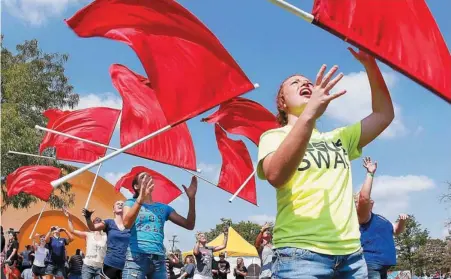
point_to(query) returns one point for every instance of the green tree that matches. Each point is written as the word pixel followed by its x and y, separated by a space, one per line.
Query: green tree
pixel 408 243
pixel 248 230
pixel 432 256
pixel 32 81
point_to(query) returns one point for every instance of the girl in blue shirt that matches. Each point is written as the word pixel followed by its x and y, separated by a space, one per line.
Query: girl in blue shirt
pixel 145 219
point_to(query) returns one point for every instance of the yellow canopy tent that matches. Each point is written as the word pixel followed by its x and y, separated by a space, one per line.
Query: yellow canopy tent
pixel 236 246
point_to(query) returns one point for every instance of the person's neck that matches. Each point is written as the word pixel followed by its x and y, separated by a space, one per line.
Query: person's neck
pixel 118 218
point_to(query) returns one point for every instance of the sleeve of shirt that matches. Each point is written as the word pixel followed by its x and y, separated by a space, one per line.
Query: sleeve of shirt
pixel 168 210
pixel 129 203
pixel 244 269
pixel 350 136
pixel 189 268
pixel 269 142
pixel 107 225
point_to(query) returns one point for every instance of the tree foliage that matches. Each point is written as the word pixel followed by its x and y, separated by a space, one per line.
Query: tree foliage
pixel 433 257
pixel 248 230
pixel 32 81
pixel 408 243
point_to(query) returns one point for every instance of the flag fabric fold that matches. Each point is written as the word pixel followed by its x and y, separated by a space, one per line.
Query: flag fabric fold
pixel 164 190
pixel 241 116
pixel 33 180
pixel 142 115
pixel 94 124
pixel 188 68
pixel 402 34
pixel 236 167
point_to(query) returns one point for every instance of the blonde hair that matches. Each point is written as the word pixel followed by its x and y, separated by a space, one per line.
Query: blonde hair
pixel 282 116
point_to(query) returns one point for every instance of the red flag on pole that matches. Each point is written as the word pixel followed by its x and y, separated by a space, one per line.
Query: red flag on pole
pixel 164 190
pixel 401 33
pixel 236 167
pixel 244 117
pixel 142 115
pixel 33 180
pixel 94 124
pixel 186 64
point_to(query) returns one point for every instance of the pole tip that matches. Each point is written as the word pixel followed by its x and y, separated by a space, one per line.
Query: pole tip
pixel 256 85
pixel 230 201
pixel 199 170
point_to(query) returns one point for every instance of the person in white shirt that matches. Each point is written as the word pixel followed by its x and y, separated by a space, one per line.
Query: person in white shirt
pixel 40 253
pixel 95 248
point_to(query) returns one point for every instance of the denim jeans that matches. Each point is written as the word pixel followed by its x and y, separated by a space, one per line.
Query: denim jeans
pixel 376 271
pixel 304 264
pixel 90 272
pixel 140 266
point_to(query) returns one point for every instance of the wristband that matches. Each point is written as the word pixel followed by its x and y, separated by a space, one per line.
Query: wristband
pixel 370 174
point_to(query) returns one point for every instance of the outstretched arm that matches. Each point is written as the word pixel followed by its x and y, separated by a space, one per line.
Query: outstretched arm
pixel 92 227
pixel 190 221
pixel 69 235
pixel 400 226
pixel 224 243
pixel 364 198
pixel 383 112
pixel 78 233
pixel 258 240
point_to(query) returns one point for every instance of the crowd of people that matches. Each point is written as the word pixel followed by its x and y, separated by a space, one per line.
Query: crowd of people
pixel 322 229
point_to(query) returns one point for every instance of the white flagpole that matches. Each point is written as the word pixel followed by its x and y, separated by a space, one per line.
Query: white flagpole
pixel 31 155
pixel 293 9
pixel 37 221
pixel 111 148
pixel 93 185
pixel 242 186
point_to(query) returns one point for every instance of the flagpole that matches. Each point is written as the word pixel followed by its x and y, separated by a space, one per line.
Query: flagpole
pixel 293 9
pixel 111 148
pixel 31 155
pixel 242 186
pixel 93 185
pixel 37 221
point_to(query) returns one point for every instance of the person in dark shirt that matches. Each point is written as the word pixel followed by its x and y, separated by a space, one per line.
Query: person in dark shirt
pixel 171 262
pixel 187 271
pixel 12 249
pixel 240 271
pixel 75 265
pixel 223 266
pixel 57 249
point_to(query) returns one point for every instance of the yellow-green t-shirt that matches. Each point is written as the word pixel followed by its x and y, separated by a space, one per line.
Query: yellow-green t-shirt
pixel 315 208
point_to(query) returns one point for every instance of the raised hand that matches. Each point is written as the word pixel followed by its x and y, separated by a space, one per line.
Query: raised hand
pixel 85 212
pixel 362 56
pixel 403 217
pixel 192 189
pixel 146 189
pixel 320 97
pixel 369 165
pixel 266 227
pixel 65 211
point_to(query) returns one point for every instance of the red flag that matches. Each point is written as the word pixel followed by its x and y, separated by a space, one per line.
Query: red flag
pixel 244 117
pixel 236 167
pixel 142 115
pixel 186 64
pixel 95 124
pixel 33 180
pixel 164 191
pixel 401 33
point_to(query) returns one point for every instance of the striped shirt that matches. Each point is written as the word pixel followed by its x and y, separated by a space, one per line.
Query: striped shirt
pixel 75 265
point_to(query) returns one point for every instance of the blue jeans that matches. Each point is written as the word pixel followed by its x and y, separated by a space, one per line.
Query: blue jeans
pixel 376 271
pixel 140 266
pixel 90 272
pixel 304 264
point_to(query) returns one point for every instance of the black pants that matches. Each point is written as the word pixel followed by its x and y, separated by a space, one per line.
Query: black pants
pixel 109 272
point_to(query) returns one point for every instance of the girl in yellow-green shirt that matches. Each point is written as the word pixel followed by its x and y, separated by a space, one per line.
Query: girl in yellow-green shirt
pixel 316 234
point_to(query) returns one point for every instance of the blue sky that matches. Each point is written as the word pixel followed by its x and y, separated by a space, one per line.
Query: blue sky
pixel 269 44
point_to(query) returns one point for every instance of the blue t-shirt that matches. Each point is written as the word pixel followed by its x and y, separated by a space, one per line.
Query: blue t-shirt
pixel 377 241
pixel 147 233
pixel 117 243
pixel 57 249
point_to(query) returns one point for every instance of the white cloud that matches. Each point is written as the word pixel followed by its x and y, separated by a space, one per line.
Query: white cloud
pixel 391 193
pixel 37 12
pixel 419 130
pixel 210 171
pixel 113 177
pixel 262 219
pixel 356 103
pixel 100 100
